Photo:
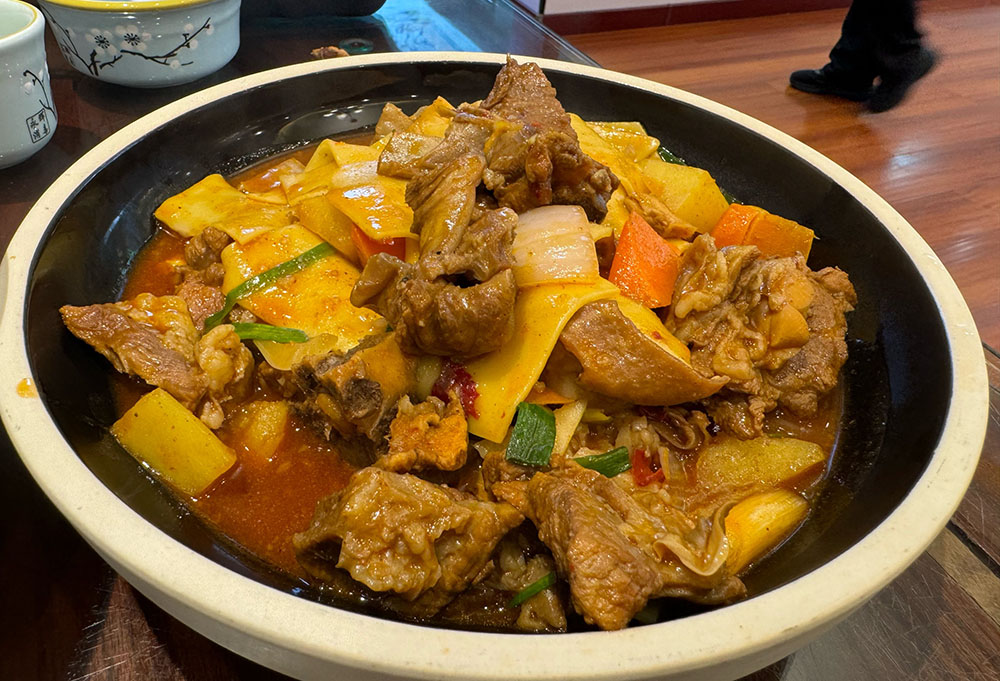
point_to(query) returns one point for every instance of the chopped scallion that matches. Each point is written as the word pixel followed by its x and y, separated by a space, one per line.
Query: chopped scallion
pixel 532 589
pixel 533 437
pixel 266 278
pixel 278 334
pixel 609 464
pixel 671 157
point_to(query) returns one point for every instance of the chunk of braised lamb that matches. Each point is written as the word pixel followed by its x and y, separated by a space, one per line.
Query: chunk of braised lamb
pixel 617 553
pixel 438 318
pixel 205 249
pixel 356 393
pixel 203 300
pixel 772 326
pixel 537 159
pixel 397 533
pixel 458 298
pixel 442 192
pixel 428 435
pixel 152 337
pixel 483 251
pixel 659 216
pixel 515 571
pixel 622 362
pixel 392 119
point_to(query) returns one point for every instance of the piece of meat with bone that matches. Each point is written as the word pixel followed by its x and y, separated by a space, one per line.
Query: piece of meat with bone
pixel 771 325
pixel 397 533
pixel 620 361
pixel 536 160
pixel 616 554
pixel 428 435
pixel 152 337
pixel 356 393
pixel 457 300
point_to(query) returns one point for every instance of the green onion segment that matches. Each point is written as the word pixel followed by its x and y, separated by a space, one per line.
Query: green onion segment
pixel 532 589
pixel 266 278
pixel 609 464
pixel 533 436
pixel 670 157
pixel 278 334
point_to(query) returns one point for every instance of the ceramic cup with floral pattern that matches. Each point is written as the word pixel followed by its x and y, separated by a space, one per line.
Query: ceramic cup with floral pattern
pixel 27 116
pixel 145 43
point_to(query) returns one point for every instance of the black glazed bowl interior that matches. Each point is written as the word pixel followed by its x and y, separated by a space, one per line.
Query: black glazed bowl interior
pixel 900 377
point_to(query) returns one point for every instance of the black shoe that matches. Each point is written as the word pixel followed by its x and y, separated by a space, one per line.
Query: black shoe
pixel 826 81
pixel 894 85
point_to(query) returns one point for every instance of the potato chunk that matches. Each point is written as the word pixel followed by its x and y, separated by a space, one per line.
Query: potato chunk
pixel 167 438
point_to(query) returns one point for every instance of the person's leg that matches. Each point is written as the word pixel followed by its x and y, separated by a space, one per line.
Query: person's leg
pixel 901 57
pixel 854 57
pixel 852 66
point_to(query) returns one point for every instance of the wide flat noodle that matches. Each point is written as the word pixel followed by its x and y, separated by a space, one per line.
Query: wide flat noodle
pixel 506 376
pixel 214 202
pixel 315 299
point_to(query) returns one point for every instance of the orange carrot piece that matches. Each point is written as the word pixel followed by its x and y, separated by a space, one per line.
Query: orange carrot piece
pixel 542 394
pixel 367 246
pixel 645 266
pixel 732 227
pixel 778 236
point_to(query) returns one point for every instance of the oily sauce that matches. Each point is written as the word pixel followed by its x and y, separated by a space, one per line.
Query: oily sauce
pixel 262 501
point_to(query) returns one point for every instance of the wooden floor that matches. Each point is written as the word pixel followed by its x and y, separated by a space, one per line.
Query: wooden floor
pixel 935 158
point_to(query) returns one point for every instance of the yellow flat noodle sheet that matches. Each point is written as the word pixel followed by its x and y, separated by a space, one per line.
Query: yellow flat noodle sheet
pixel 315 299
pixel 505 377
pixel 375 203
pixel 691 193
pixel 433 119
pixel 628 137
pixel 214 202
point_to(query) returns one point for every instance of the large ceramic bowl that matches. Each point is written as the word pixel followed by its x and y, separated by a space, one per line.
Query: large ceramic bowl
pixel 909 441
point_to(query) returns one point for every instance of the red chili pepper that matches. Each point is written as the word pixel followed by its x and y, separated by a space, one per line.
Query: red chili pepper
pixel 456 377
pixel 645 469
pixel 367 246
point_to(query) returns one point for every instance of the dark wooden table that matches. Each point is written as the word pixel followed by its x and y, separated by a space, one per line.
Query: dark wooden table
pixel 64 614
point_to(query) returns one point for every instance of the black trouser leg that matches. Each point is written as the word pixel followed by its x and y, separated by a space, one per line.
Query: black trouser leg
pixel 853 57
pixel 877 36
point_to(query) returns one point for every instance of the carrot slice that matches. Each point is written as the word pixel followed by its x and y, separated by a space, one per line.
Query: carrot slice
pixel 732 227
pixel 645 266
pixel 367 246
pixel 774 235
pixel 778 236
pixel 542 394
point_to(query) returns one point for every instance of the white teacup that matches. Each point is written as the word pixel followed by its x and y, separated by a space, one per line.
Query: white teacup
pixel 27 113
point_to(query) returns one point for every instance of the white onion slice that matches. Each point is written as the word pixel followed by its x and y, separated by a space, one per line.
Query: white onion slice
pixel 554 244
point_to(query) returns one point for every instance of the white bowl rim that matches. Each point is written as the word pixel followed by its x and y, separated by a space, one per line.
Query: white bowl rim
pixel 128 6
pixel 296 635
pixel 36 19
